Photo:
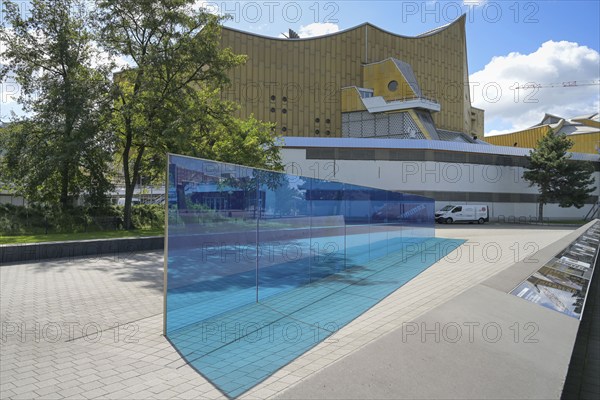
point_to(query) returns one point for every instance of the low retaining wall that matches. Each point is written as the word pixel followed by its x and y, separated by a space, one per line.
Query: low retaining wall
pixel 15 253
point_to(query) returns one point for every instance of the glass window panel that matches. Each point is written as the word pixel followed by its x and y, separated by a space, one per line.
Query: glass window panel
pixel 327 228
pixel 395 223
pixel 284 233
pixel 261 266
pixel 381 213
pixel 418 212
pixel 357 210
pixel 212 239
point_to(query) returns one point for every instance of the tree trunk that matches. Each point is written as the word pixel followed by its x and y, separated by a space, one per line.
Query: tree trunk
pixel 541 212
pixel 129 184
pixel 131 178
pixel 64 186
pixel 69 115
pixel 129 189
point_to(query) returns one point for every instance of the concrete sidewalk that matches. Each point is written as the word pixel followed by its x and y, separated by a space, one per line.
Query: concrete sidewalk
pixel 482 344
pixel 92 328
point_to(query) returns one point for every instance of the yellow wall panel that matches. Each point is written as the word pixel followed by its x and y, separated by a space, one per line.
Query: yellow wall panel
pixel 586 142
pixel 477 122
pixel 527 138
pixel 589 122
pixel 419 124
pixel 582 143
pixel 322 66
pixel 351 100
pixel 378 76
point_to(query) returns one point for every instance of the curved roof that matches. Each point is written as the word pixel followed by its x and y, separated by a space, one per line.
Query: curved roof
pixel 571 126
pixel 420 36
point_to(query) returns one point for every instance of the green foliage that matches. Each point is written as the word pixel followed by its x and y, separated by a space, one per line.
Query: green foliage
pixel 16 220
pixel 246 142
pixel 169 100
pixel 61 149
pixel 148 216
pixel 558 178
pixel 575 187
pixel 78 236
pixel 82 118
pixel 19 220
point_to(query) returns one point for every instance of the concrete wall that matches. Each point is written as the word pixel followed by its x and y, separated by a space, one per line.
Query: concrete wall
pixel 85 248
pixel 503 184
pixel 6 198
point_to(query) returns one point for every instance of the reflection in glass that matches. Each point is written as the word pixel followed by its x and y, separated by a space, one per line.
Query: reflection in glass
pixel 562 284
pixel 261 265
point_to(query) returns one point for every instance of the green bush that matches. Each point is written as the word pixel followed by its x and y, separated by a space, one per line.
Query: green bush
pixel 20 220
pixel 148 216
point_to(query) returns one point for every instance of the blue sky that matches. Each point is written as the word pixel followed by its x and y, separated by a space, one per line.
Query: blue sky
pixel 508 42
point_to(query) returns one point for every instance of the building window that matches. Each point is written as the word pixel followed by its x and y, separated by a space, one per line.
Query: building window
pixel 392 86
pixel 365 93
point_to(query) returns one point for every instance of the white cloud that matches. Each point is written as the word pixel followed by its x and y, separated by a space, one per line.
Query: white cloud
pixel 474 3
pixel 317 29
pixel 100 57
pixel 9 93
pixel 211 7
pixel 467 4
pixel 508 109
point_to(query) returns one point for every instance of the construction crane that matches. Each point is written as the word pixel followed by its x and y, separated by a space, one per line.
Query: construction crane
pixel 533 85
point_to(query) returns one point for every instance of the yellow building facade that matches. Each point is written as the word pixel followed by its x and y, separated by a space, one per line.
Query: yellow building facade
pixel 305 85
pixel 584 132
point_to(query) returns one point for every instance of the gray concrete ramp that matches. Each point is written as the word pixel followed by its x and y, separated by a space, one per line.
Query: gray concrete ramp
pixel 481 344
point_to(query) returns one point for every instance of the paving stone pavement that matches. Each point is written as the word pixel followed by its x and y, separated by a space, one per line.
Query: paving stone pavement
pixel 92 328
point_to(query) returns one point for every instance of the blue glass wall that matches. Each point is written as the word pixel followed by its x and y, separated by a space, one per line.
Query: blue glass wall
pixel 250 248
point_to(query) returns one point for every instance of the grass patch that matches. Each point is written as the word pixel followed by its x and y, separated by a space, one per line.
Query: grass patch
pixel 60 237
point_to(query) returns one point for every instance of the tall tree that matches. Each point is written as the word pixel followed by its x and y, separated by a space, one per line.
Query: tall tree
pixel 61 148
pixel 169 99
pixel 559 179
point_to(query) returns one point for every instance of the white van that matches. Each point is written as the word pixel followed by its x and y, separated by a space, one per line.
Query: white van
pixel 463 213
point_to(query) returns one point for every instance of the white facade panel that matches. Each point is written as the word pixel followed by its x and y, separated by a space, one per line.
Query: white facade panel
pixel 451 178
